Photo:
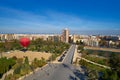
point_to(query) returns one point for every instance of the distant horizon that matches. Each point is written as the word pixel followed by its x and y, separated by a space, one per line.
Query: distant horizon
pixel 81 32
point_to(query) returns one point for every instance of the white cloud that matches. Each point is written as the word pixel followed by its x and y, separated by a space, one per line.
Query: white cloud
pixel 51 21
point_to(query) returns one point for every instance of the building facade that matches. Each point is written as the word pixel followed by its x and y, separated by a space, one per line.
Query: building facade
pixel 65 36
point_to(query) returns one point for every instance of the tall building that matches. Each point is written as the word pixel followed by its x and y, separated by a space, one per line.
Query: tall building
pixel 65 35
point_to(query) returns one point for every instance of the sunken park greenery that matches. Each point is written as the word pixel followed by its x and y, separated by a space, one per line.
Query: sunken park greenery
pixel 93 72
pixel 21 66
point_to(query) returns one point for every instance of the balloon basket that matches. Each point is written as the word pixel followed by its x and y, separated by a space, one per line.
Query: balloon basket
pixel 24 50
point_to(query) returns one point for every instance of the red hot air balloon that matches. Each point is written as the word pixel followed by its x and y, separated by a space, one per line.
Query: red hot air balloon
pixel 25 42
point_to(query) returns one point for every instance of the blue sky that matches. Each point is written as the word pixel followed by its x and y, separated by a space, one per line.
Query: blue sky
pixel 51 16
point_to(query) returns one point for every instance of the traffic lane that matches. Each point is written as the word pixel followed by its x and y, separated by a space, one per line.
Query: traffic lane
pixel 62 72
pixel 69 56
pixel 65 59
pixel 45 71
pixel 62 57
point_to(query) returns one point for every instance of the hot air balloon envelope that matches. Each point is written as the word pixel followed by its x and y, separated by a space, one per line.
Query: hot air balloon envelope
pixel 25 42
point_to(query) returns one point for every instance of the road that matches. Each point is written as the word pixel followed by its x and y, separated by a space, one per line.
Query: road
pixel 59 71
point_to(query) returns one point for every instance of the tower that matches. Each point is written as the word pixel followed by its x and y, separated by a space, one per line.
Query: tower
pixel 65 35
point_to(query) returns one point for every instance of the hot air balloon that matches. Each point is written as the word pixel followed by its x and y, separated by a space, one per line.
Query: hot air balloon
pixel 25 42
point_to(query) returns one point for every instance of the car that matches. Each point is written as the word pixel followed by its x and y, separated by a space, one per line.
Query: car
pixel 63 55
pixel 65 52
pixel 60 59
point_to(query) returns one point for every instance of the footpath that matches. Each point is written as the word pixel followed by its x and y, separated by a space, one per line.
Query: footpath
pixel 77 57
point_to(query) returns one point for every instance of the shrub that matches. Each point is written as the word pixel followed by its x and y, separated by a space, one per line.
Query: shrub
pixel 6 64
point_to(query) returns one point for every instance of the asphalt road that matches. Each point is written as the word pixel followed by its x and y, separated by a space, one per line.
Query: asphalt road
pixel 59 71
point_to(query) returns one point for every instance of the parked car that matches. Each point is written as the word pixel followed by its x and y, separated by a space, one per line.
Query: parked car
pixel 60 59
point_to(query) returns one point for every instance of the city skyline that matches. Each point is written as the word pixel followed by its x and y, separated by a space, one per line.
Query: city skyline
pixel 80 17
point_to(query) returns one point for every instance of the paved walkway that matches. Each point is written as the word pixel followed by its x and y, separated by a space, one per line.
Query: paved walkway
pixel 102 49
pixel 95 63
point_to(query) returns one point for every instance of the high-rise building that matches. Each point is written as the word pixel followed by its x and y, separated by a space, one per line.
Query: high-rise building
pixel 65 35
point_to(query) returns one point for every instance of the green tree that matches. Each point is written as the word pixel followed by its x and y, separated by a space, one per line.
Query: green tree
pixel 8 46
pixel 110 75
pixel 103 43
pixel 26 61
pixel 77 42
pixel 35 63
pixel 81 48
pixel 115 63
pixel 1 49
pixel 5 65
